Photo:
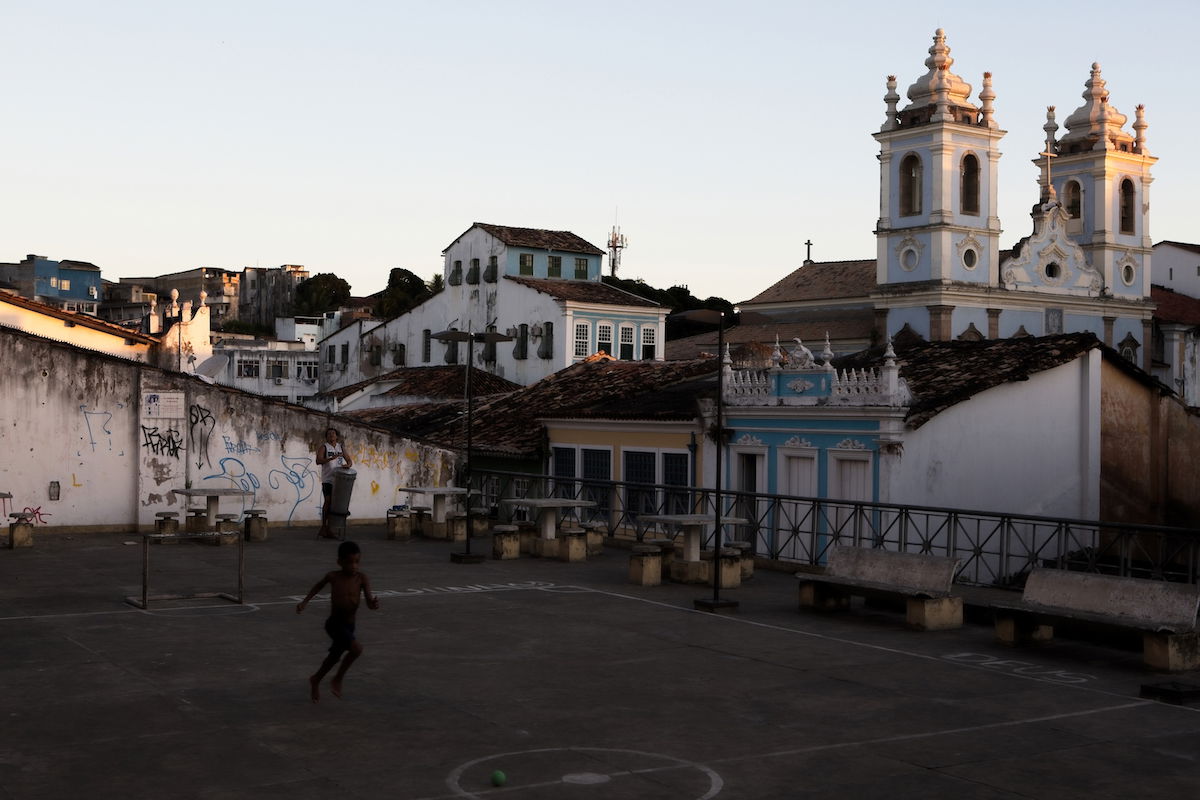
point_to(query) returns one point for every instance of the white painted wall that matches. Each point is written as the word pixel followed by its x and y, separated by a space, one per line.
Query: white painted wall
pixel 1177 268
pixel 90 423
pixel 1024 448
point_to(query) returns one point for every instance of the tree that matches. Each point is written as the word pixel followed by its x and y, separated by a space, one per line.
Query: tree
pixel 436 283
pixel 320 293
pixel 404 290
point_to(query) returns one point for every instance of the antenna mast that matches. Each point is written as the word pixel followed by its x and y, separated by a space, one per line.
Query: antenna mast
pixel 616 243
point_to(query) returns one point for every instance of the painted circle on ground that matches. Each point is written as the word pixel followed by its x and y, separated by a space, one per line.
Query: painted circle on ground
pixel 580 778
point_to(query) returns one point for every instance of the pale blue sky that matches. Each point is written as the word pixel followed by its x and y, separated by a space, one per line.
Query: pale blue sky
pixel 151 137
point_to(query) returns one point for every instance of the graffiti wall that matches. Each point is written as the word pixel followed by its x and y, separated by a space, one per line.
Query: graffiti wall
pixel 93 442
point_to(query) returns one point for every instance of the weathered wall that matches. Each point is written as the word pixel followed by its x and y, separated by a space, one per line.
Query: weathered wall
pixel 1150 447
pixel 117 436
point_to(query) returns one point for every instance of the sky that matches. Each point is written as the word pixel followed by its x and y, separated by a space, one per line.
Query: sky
pixel 354 137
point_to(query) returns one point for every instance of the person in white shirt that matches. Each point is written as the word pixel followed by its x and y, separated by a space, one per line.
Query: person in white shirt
pixel 330 456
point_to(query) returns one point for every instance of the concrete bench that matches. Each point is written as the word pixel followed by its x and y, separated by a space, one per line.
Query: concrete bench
pixel 596 531
pixel 20 530
pixel 254 525
pixel 666 548
pixel 645 565
pixel 1164 613
pixel 923 581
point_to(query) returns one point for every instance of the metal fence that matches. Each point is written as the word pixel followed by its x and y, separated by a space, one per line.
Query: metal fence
pixel 996 549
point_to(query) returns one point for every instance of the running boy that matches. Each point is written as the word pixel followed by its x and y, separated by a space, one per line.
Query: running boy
pixel 345 586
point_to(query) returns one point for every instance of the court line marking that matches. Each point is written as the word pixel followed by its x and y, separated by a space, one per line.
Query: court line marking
pixel 457 791
pixel 469 589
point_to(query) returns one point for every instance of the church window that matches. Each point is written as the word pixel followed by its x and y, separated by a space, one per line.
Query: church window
pixel 1074 200
pixel 970 258
pixel 1128 347
pixel 1128 273
pixel 1053 271
pixel 1054 321
pixel 1127 201
pixel 909 259
pixel 910 186
pixel 970 184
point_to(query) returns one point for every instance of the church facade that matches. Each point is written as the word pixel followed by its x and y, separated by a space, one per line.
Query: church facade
pixel 941 271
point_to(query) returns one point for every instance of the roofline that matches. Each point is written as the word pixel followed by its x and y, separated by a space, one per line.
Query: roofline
pixel 83 320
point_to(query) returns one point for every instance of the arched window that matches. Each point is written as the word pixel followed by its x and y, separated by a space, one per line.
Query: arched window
pixel 1074 199
pixel 910 186
pixel 970 184
pixel 1128 196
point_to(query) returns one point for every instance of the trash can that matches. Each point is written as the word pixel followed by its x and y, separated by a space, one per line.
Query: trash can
pixel 343 487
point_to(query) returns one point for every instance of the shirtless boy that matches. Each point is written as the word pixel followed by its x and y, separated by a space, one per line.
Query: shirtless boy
pixel 345 587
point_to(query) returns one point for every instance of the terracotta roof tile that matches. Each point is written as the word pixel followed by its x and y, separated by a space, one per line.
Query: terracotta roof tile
pixel 1175 307
pixel 537 238
pixel 826 280
pixel 584 291
pixel 83 320
pixel 510 424
pixel 942 374
pixel 852 324
pixel 440 381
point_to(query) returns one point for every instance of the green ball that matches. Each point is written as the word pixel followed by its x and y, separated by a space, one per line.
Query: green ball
pixel 498 778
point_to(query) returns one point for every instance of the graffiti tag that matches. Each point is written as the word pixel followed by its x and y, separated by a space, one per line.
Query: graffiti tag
pixel 168 442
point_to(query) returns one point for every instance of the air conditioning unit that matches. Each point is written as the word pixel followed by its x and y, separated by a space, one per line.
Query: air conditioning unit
pixel 511 332
pixel 92 292
pixel 279 381
pixel 535 330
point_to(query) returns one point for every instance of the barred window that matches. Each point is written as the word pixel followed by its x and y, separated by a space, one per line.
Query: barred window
pixel 581 268
pixel 554 266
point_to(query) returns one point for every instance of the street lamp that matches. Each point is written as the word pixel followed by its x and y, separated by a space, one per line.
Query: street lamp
pixel 487 337
pixel 715 317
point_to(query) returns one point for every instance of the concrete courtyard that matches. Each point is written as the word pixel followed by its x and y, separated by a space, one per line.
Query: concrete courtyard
pixel 571 681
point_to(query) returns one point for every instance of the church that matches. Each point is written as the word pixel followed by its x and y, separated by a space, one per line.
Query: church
pixel 941 272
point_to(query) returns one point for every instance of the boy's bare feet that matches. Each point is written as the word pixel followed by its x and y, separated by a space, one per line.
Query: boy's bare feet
pixel 314 684
pixel 336 686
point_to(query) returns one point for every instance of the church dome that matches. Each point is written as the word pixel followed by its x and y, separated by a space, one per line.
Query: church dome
pixel 929 87
pixel 1096 119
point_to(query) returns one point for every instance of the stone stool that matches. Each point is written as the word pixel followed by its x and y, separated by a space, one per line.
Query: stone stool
pixel 197 520
pixel 399 524
pixel 573 545
pixel 480 522
pixel 667 548
pixel 595 537
pixel 456 526
pixel 645 565
pixel 506 542
pixel 227 528
pixel 254 527
pixel 746 550
pixel 166 522
pixel 20 530
pixel 729 562
pixel 528 533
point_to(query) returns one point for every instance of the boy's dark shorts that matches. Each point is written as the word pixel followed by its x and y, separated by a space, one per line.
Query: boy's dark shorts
pixel 342 634
pixel 327 490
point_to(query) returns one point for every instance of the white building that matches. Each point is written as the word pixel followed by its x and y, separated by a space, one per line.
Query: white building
pixel 540 287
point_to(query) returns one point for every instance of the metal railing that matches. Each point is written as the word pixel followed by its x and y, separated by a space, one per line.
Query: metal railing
pixel 996 549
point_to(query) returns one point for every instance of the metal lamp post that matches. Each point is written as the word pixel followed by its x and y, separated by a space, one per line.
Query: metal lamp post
pixel 467 557
pixel 714 317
